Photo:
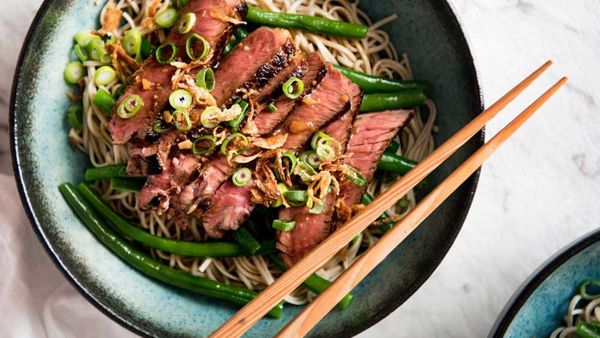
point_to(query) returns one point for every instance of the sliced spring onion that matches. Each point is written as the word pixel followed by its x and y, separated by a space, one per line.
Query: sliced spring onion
pixel 590 289
pixel 74 72
pixel 272 107
pixel 160 126
pixel 97 50
pixel 241 177
pixel 182 121
pixel 311 157
pixel 204 145
pixel 81 53
pixel 355 176
pixel 104 101
pixel 296 197
pixel 239 142
pixel 75 116
pixel 282 188
pixel 104 75
pixel 83 38
pixel 283 225
pixel 319 138
pixel 130 106
pixel 325 151
pixel 166 18
pixel 180 99
pixel 293 88
pixel 186 23
pixel 132 42
pixel 237 121
pixel 167 49
pixel 206 79
pixel 208 116
pixel 289 157
pixel 305 171
pixel 189 47
pixel 317 209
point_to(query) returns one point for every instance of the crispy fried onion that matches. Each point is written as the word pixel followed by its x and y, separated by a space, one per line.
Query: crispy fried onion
pixel 124 64
pixel 342 211
pixel 265 190
pixel 319 188
pixel 151 11
pixel 111 18
pixel 270 143
pixel 201 96
pixel 225 18
pixel 250 127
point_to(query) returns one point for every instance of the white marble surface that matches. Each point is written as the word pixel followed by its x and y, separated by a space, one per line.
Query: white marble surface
pixel 537 194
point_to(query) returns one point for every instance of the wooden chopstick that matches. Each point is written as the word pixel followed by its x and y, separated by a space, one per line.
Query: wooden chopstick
pixel 290 280
pixel 319 307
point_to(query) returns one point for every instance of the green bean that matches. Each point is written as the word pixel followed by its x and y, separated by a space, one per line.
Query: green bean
pixel 366 200
pixel 106 172
pixel 244 238
pixel 314 283
pixel 374 84
pixel 239 35
pixel 396 164
pixel 129 184
pixel 179 247
pixel 588 330
pixel 393 147
pixel 149 266
pixel 305 22
pixel 384 101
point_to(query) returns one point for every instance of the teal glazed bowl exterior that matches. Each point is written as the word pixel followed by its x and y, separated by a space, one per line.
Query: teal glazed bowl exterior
pixel 427 30
pixel 539 305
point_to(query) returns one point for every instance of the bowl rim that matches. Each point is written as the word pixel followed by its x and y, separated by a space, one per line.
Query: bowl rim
pixel 537 277
pixel 477 102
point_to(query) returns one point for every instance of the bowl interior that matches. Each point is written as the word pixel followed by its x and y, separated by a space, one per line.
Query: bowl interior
pixel 426 30
pixel 540 304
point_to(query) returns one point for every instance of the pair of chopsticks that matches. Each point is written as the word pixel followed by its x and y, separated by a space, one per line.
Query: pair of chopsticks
pixel 315 311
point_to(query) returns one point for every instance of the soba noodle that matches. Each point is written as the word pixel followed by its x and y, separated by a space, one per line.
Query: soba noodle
pixel 373 55
pixel 579 310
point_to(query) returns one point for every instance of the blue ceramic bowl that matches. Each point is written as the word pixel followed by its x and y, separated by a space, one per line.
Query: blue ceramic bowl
pixel 427 30
pixel 539 305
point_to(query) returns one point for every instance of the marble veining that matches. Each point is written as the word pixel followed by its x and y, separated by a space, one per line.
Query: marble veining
pixel 537 194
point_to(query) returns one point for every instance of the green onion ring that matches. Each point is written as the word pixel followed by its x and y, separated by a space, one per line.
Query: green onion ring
pixel 241 177
pixel 189 48
pixel 180 99
pixel 166 18
pixel 305 170
pixel 284 226
pixel 355 176
pixel 290 91
pixel 104 75
pixel 204 150
pixel 207 117
pixel 311 157
pixel 293 160
pixel 186 23
pixel 130 106
pixel 296 197
pixel 160 127
pixel 317 209
pixel 206 79
pixel 228 139
pixel 584 292
pixel 272 107
pixel 81 53
pixel 132 42
pixel 74 72
pixel 325 151
pixel 319 138
pixel 160 50
pixel 186 118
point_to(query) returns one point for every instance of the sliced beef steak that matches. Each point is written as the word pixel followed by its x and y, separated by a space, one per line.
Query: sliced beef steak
pixel 152 82
pixel 230 206
pixel 311 229
pixel 371 135
pixel 247 60
pixel 330 98
pixel 267 120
